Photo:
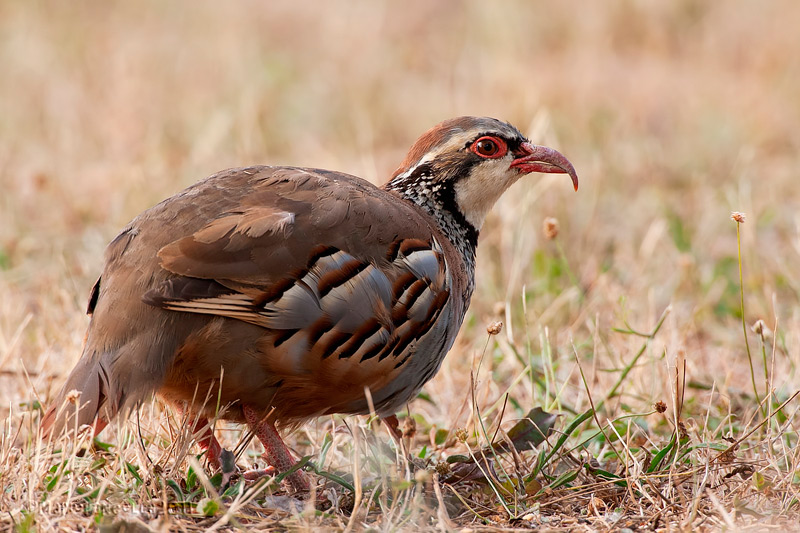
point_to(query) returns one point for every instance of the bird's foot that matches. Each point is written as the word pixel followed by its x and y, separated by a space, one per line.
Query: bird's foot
pixel 254 474
pixel 295 482
pixel 275 454
pixel 225 461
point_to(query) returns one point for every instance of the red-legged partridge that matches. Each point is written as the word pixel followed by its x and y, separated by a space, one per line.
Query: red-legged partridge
pixel 287 292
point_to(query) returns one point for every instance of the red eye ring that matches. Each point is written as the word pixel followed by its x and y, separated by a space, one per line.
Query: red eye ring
pixel 489 147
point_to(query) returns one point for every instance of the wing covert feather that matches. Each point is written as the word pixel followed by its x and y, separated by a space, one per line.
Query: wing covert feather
pixel 345 279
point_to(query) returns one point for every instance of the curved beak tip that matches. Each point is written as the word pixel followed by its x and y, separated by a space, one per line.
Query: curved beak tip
pixel 544 159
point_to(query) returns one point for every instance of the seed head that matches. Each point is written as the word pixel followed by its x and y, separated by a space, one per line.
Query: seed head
pixel 73 396
pixel 494 328
pixel 761 329
pixel 443 468
pixel 550 228
pixel 738 217
pixel 660 406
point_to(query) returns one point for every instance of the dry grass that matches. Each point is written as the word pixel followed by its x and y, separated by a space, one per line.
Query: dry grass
pixel 674 113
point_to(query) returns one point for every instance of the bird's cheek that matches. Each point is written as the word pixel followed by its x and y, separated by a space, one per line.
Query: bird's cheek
pixel 471 202
pixel 476 194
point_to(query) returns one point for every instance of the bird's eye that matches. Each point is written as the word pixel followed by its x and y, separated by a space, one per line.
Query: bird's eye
pixel 491 147
pixel 486 147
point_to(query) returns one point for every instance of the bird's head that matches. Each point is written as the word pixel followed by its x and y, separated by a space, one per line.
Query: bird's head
pixel 465 164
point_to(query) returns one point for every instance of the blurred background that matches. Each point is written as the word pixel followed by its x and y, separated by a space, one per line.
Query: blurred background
pixel 674 113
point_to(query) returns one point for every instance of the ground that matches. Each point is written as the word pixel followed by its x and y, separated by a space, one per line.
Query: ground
pixel 662 334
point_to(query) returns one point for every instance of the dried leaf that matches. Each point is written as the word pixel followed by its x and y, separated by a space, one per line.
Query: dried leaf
pixel 530 431
pixel 465 469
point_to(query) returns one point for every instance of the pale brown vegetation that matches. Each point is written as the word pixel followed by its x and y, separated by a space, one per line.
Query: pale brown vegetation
pixel 674 113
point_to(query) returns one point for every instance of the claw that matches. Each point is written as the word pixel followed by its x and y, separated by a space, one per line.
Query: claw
pixel 255 474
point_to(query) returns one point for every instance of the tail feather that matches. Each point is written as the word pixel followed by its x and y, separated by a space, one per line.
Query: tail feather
pixel 82 400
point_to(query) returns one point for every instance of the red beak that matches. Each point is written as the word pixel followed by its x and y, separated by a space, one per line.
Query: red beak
pixel 535 158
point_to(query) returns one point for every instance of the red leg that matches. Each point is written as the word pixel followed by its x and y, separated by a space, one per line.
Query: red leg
pixel 206 439
pixel 275 451
pixel 208 442
pixel 99 424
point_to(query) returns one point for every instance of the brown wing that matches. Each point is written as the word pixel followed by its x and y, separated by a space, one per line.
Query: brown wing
pixel 342 276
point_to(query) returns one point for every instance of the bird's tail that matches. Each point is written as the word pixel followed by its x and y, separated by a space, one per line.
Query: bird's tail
pixel 83 399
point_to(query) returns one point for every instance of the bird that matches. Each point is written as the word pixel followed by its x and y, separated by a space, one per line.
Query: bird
pixel 288 293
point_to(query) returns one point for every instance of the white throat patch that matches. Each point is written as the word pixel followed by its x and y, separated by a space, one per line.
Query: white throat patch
pixel 478 192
